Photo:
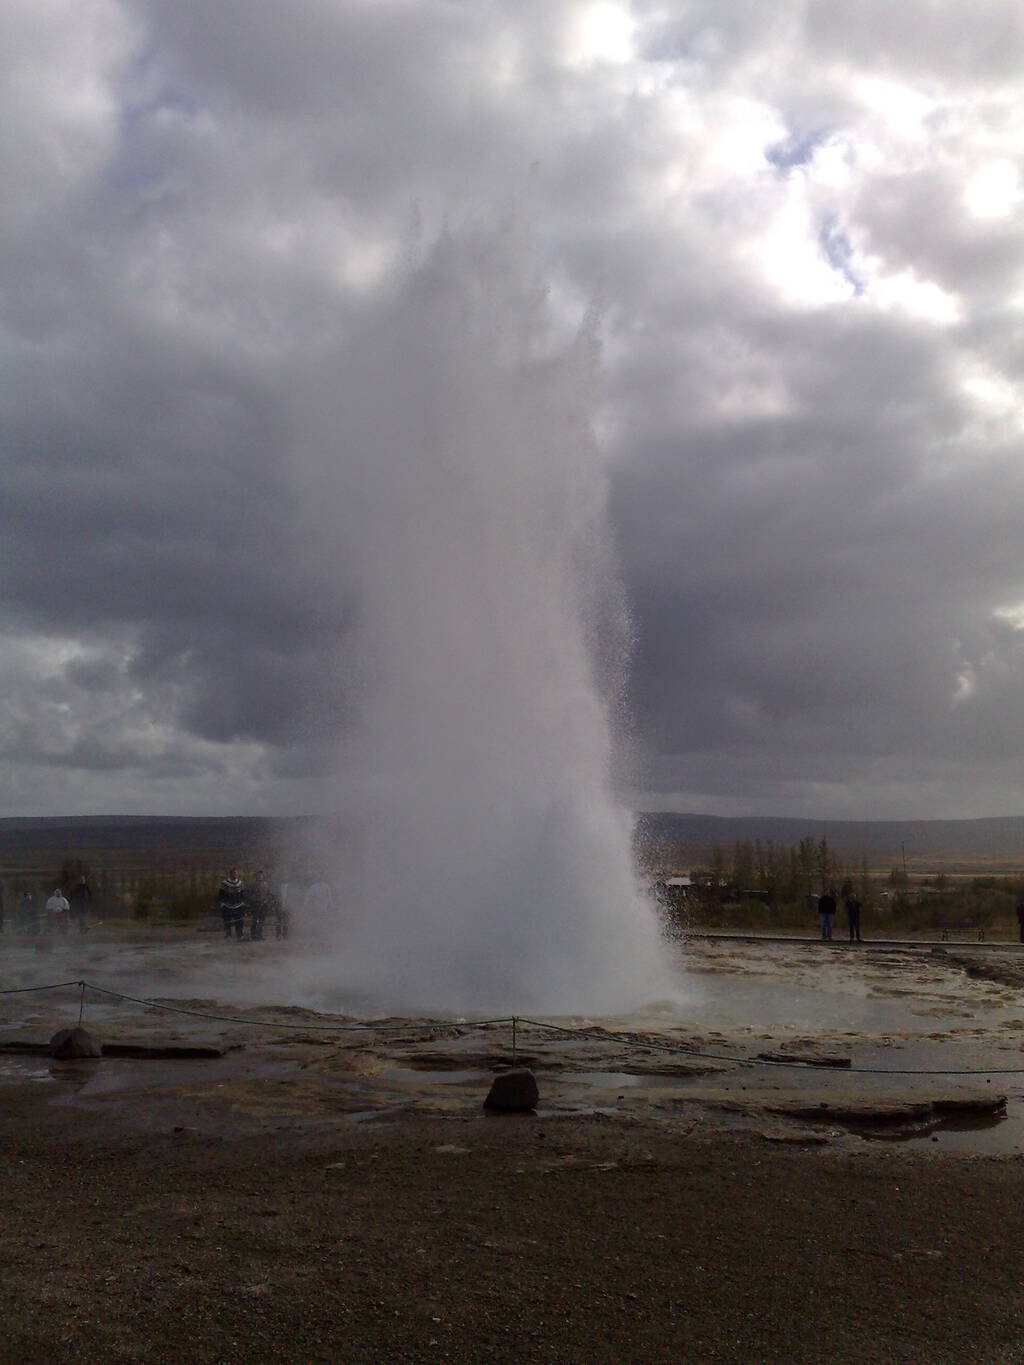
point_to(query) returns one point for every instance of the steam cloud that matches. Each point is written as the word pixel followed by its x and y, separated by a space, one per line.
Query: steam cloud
pixel 458 491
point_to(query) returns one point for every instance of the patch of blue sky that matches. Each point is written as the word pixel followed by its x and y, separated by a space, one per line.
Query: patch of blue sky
pixel 137 169
pixel 137 112
pixel 796 150
pixel 838 251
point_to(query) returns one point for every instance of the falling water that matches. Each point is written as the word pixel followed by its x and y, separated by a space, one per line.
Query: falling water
pixel 462 495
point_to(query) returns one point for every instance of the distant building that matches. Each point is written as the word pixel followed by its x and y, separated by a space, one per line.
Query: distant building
pixel 677 887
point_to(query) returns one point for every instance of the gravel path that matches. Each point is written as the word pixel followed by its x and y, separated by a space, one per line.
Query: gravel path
pixel 467 1239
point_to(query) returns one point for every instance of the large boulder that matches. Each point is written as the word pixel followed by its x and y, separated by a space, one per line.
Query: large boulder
pixel 513 1091
pixel 71 1043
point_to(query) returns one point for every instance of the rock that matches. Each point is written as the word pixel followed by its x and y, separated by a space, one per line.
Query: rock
pixel 70 1043
pixel 513 1091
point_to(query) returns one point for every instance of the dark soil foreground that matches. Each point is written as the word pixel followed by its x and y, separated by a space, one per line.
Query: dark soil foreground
pixel 583 1239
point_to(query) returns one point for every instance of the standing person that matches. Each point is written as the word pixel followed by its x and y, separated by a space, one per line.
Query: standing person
pixel 826 909
pixel 288 893
pixel 1 908
pixel 57 908
pixel 28 912
pixel 231 900
pixel 317 907
pixel 852 907
pixel 263 903
pixel 80 900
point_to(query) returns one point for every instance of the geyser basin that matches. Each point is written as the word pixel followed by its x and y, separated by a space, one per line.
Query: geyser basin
pixel 460 497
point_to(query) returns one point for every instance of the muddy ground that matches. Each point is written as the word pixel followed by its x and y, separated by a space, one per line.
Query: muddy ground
pixel 316 1192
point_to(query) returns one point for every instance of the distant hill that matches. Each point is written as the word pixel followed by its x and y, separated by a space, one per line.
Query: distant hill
pixel 998 841
pixel 146 843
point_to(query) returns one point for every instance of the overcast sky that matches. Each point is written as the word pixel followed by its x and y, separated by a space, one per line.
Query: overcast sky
pixel 801 224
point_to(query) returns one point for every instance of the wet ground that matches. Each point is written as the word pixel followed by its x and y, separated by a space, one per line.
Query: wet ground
pixel 797 1042
pixel 318 1190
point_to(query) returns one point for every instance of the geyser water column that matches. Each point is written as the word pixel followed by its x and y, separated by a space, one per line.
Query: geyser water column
pixel 463 505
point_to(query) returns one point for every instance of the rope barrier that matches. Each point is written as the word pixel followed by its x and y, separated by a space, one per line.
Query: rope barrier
pixel 24 990
pixel 515 1020
pixel 360 1026
pixel 773 1061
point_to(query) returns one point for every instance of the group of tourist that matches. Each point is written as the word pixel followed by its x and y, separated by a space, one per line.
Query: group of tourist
pixel 258 903
pixel 827 906
pixel 60 910
pixel 247 910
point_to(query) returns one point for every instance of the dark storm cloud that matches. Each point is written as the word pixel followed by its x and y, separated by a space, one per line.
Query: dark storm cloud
pixel 802 222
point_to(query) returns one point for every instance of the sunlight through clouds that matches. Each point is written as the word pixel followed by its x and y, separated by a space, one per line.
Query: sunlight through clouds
pixel 600 31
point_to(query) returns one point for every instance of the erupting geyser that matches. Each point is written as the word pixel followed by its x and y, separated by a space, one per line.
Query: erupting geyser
pixel 463 500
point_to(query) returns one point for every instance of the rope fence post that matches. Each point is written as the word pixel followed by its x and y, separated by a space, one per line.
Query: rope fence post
pixel 81 1000
pixel 515 1021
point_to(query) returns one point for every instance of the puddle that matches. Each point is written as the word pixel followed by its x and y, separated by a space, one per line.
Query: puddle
pixel 725 1001
pixel 619 1080
pixel 399 1075
pixel 87 1077
pixel 15 1070
pixel 114 1074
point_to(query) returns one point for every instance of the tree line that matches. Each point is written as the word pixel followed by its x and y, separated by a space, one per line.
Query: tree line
pixel 781 875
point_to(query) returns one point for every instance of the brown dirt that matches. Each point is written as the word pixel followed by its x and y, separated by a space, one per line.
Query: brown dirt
pixel 417 1238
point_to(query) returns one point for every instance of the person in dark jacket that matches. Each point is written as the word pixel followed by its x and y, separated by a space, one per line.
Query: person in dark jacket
pixel 28 913
pixel 262 903
pixel 80 900
pixel 827 909
pixel 231 901
pixel 852 907
pixel 288 894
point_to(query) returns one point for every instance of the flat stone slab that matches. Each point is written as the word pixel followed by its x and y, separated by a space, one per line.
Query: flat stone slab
pixel 970 1104
pixel 835 1059
pixel 857 1111
pixel 793 1137
pixel 19 1047
pixel 163 1051
pixel 890 1111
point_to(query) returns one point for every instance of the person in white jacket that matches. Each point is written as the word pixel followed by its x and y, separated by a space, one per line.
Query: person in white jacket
pixel 57 908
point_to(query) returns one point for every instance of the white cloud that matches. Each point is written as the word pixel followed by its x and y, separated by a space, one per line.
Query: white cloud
pixel 600 31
